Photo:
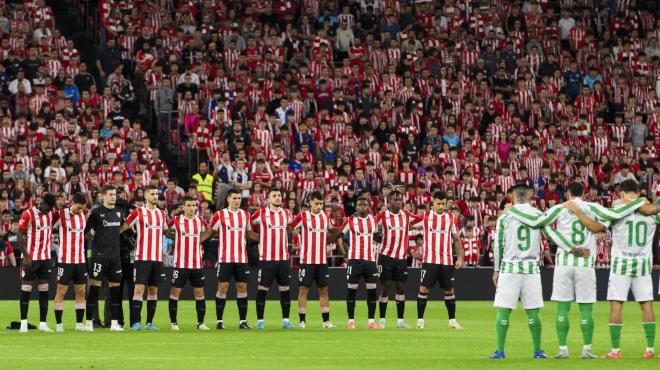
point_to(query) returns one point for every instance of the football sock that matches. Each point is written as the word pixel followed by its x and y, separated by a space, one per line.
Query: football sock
pixel 450 303
pixel 92 301
pixel 115 302
pixel 173 306
pixel 261 304
pixel 649 332
pixel 220 307
pixel 200 307
pixel 382 307
pixel 285 302
pixel 586 322
pixel 136 311
pixel 372 297
pixel 43 306
pixel 400 306
pixel 151 310
pixel 80 315
pixel 25 303
pixel 563 309
pixel 302 316
pixel 534 322
pixel 350 303
pixel 59 310
pixel 421 304
pixel 615 335
pixel 501 327
pixel 325 316
pixel 242 304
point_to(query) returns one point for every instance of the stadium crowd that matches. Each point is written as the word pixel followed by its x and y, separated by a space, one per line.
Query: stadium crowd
pixel 349 98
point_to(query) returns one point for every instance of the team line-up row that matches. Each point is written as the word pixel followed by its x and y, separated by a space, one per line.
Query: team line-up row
pixel 233 226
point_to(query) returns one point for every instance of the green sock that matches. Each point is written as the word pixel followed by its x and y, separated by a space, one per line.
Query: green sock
pixel 649 331
pixel 563 308
pixel 534 322
pixel 501 327
pixel 586 322
pixel 615 335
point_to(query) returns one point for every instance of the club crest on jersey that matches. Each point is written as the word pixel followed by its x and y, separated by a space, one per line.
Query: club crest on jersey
pixel 118 214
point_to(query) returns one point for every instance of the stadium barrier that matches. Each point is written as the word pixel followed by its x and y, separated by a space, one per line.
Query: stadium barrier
pixel 470 283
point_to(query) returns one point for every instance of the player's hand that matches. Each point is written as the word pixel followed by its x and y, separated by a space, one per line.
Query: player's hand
pixel 506 208
pixel 460 262
pixel 570 205
pixel 580 252
pixel 496 276
pixel 27 261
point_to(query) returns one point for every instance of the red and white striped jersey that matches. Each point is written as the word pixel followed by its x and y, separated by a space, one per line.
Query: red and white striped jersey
pixel 72 236
pixel 273 242
pixel 361 237
pixel 313 236
pixel 39 228
pixel 438 239
pixel 188 241
pixel 396 228
pixel 149 225
pixel 232 228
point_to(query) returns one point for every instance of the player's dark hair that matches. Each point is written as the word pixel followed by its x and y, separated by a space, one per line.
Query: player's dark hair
pixel 107 188
pixel 188 198
pixel 629 186
pixel 150 187
pixel 315 195
pixel 79 198
pixel 362 199
pixel 273 190
pixel 440 195
pixel 521 193
pixel 233 191
pixel 575 189
pixel 49 200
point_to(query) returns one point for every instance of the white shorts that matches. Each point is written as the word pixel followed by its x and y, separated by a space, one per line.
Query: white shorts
pixel 619 286
pixel 526 287
pixel 573 283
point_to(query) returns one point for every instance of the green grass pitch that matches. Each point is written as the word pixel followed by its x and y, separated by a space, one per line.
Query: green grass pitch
pixel 274 348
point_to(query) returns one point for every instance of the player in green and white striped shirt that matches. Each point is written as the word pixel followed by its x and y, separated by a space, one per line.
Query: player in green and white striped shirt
pixel 631 261
pixel 574 276
pixel 517 252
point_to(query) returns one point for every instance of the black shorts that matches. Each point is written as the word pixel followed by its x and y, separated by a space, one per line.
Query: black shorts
pixel 76 272
pixel 274 270
pixel 392 269
pixel 148 273
pixel 239 271
pixel 110 268
pixel 181 276
pixel 433 273
pixel 357 269
pixel 319 274
pixel 38 270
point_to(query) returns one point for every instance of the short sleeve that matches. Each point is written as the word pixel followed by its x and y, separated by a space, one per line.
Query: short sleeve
pixel 214 224
pixel 297 221
pixel 255 218
pixel 91 221
pixel 24 221
pixel 345 227
pixel 132 217
pixel 171 224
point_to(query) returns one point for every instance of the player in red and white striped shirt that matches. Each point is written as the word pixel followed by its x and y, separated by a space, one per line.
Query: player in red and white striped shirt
pixel 440 236
pixel 471 247
pixel 149 223
pixel 187 230
pixel 34 241
pixel 314 225
pixel 232 226
pixel 361 260
pixel 273 255
pixel 395 225
pixel 71 260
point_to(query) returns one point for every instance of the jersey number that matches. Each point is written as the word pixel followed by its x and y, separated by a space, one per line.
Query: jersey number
pixel 577 236
pixel 641 229
pixel 523 237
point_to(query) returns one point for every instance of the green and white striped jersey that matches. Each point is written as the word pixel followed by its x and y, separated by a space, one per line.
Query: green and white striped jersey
pixel 632 245
pixel 569 232
pixel 517 247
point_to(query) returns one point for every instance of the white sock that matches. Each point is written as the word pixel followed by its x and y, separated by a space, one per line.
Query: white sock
pixel 587 347
pixel 650 349
pixel 41 323
pixel 90 323
pixel 285 320
pixel 371 321
pixel 260 321
pixel 240 322
pixel 399 320
pixel 114 322
pixel 615 350
pixel 563 348
pixel 24 322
